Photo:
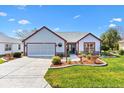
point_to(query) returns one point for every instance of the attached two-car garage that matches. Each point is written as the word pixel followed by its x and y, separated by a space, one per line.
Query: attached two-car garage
pixel 43 42
pixel 41 49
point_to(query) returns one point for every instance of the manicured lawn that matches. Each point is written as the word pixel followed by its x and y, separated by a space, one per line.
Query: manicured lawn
pixel 1 56
pixel 1 61
pixel 89 77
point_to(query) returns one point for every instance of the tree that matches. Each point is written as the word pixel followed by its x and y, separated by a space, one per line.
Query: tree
pixel 24 33
pixel 121 31
pixel 110 39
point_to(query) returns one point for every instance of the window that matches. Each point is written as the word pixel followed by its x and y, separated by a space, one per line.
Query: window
pixel 89 46
pixel 19 46
pixel 8 47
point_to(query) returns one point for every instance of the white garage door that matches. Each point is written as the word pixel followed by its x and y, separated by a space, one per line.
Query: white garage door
pixel 41 50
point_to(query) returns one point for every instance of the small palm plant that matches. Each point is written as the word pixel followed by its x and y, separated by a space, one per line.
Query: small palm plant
pixel 69 61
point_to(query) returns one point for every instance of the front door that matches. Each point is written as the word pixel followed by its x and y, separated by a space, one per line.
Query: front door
pixel 89 46
pixel 71 48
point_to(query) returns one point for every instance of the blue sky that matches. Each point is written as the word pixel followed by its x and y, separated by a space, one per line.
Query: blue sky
pixel 94 19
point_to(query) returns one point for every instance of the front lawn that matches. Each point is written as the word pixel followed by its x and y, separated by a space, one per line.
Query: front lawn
pixel 1 61
pixel 88 77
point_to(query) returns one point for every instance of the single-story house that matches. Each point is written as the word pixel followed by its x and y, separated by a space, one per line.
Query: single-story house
pixel 45 42
pixel 121 44
pixel 9 44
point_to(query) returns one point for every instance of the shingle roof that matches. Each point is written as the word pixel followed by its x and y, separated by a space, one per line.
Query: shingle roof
pixel 72 36
pixel 68 36
pixel 6 39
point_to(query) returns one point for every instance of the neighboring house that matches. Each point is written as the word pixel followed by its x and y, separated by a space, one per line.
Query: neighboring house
pixel 9 45
pixel 45 42
pixel 121 44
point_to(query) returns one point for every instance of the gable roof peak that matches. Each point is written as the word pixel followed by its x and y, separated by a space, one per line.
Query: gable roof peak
pixel 40 30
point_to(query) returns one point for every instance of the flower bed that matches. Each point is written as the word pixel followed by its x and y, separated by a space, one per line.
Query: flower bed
pixel 10 56
pixel 84 61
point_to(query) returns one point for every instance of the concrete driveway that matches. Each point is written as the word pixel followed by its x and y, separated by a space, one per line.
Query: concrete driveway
pixel 24 73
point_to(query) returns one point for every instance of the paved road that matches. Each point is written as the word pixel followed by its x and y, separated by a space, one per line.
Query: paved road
pixel 24 73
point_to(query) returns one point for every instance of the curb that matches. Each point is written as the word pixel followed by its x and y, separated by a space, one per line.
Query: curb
pixel 95 65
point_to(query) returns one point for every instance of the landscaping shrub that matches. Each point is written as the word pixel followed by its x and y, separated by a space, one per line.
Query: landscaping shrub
pixel 89 56
pixel 17 55
pixel 60 55
pixel 121 52
pixel 56 60
pixel 105 53
pixel 2 56
pixel 105 48
pixel 69 61
pixel 1 61
pixel 91 53
pixel 84 55
pixel 80 53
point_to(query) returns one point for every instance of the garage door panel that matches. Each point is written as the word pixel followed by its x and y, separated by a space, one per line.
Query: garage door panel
pixel 41 49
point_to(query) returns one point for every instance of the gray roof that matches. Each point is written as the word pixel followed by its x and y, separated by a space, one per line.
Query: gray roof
pixel 6 39
pixel 68 36
pixel 72 36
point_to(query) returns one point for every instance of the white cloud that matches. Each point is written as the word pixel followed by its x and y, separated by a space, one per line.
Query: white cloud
pixel 18 30
pixel 21 7
pixel 56 29
pixel 112 25
pixel 116 20
pixel 3 14
pixel 11 19
pixel 77 16
pixel 23 22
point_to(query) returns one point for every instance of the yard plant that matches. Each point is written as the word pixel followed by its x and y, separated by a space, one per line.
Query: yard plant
pixel 17 54
pixel 121 52
pixel 110 39
pixel 69 61
pixel 1 61
pixel 111 76
pixel 56 60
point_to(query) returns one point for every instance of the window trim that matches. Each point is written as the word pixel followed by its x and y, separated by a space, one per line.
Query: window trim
pixel 89 48
pixel 8 47
pixel 19 46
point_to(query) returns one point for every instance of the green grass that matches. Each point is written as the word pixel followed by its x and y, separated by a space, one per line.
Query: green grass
pixel 1 56
pixel 1 61
pixel 111 76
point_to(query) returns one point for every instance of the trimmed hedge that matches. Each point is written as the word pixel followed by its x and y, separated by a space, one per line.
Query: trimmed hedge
pixel 17 54
pixel 60 55
pixel 56 60
pixel 121 52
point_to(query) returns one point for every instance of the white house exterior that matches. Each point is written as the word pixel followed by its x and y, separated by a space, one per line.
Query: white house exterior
pixel 90 39
pixel 45 42
pixel 121 44
pixel 9 45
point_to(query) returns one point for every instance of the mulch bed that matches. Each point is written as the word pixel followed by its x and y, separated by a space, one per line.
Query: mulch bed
pixel 86 62
pixel 65 63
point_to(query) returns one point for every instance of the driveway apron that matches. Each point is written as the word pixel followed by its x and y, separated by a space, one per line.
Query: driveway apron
pixel 24 73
